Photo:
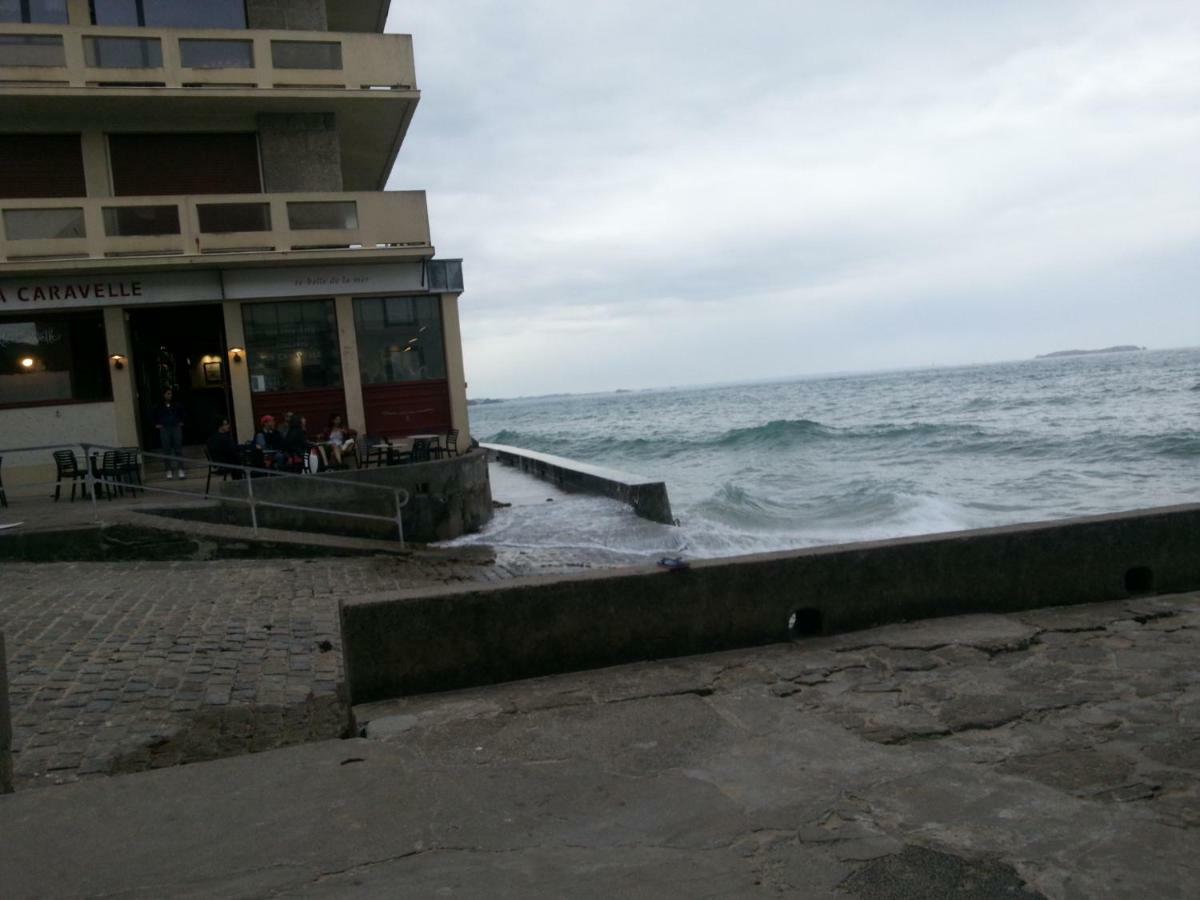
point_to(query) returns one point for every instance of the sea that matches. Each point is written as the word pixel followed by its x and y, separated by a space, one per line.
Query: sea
pixel 823 460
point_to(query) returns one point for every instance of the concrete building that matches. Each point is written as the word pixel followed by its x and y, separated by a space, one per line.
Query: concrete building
pixel 192 194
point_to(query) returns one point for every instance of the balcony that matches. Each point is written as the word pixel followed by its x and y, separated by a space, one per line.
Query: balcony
pixel 141 231
pixel 112 78
pixel 64 56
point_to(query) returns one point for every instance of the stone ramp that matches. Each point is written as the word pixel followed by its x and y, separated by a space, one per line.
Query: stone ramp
pixel 1049 753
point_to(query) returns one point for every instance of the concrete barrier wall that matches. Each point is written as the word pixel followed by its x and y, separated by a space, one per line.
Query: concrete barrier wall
pixel 447 498
pixel 648 498
pixel 459 637
pixel 6 772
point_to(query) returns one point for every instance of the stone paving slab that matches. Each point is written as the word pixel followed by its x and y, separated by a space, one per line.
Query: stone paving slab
pixel 119 667
pixel 1046 754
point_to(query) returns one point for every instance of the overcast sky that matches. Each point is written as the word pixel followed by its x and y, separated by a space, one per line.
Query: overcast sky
pixel 668 192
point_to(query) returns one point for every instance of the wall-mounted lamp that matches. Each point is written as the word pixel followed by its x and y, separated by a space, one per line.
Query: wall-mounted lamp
pixel 235 354
pixel 27 363
pixel 118 361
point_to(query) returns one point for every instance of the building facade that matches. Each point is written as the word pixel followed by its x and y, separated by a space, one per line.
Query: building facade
pixel 192 196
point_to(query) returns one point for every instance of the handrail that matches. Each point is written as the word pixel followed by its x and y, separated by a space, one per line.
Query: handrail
pixel 91 479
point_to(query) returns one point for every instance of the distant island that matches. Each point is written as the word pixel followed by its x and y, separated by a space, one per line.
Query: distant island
pixel 1122 348
pixel 482 401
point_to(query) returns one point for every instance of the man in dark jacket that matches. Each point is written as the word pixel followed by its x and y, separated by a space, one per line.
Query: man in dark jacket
pixel 223 449
pixel 168 419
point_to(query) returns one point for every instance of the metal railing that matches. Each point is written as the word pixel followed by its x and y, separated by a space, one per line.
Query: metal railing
pixel 92 479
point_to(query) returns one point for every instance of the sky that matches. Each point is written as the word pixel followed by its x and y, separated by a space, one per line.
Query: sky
pixel 649 193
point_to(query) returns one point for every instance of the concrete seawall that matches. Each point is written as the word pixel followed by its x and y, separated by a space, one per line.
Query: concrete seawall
pixel 454 637
pixel 648 498
pixel 447 498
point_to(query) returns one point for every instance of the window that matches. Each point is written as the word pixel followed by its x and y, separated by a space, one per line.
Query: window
pixel 292 346
pixel 140 221
pixel 170 13
pixel 400 339
pixel 52 12
pixel 32 51
pixel 332 215
pixel 52 224
pixel 210 54
pixel 228 218
pixel 122 53
pixel 306 54
pixel 55 358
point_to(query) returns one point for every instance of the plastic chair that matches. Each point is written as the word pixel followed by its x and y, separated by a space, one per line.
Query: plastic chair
pixel 370 449
pixel 422 451
pixel 451 448
pixel 67 466
pixel 129 465
pixel 110 472
pixel 213 467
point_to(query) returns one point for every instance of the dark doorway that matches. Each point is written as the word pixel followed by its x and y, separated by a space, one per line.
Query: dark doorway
pixel 182 348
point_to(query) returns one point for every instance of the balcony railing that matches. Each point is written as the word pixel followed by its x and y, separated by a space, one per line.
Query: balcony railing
pixel 122 227
pixel 63 56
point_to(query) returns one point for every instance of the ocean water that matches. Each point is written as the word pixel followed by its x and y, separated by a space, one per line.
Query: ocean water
pixel 771 466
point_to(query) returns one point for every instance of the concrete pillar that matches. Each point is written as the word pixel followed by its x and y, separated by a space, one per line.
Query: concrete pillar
pixel 95 163
pixel 124 396
pixel 6 774
pixel 292 15
pixel 356 415
pixel 300 152
pixel 244 426
pixel 455 371
pixel 79 13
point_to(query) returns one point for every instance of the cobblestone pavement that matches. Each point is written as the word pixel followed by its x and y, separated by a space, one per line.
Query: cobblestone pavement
pixel 119 667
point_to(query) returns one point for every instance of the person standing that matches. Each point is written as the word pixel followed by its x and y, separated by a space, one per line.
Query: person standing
pixel 168 419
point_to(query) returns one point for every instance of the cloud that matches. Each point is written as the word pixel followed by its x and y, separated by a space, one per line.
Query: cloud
pixel 713 184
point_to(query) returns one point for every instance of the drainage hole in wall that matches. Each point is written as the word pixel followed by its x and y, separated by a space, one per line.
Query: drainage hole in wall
pixel 1139 580
pixel 805 623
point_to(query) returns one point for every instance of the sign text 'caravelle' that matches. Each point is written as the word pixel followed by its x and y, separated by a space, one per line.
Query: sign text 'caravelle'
pixel 94 290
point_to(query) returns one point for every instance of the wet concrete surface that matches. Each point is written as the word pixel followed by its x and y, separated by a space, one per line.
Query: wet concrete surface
pixel 1053 753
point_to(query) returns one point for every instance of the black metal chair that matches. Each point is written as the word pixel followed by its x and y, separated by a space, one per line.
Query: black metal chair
pixel 451 448
pixel 67 466
pixel 3 496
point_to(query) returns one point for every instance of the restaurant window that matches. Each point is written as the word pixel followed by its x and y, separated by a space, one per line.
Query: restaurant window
pixel 54 358
pixel 400 339
pixel 52 12
pixel 292 346
pixel 170 13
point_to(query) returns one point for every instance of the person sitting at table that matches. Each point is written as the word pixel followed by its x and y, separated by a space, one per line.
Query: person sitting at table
pixel 295 443
pixel 270 442
pixel 222 449
pixel 341 439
